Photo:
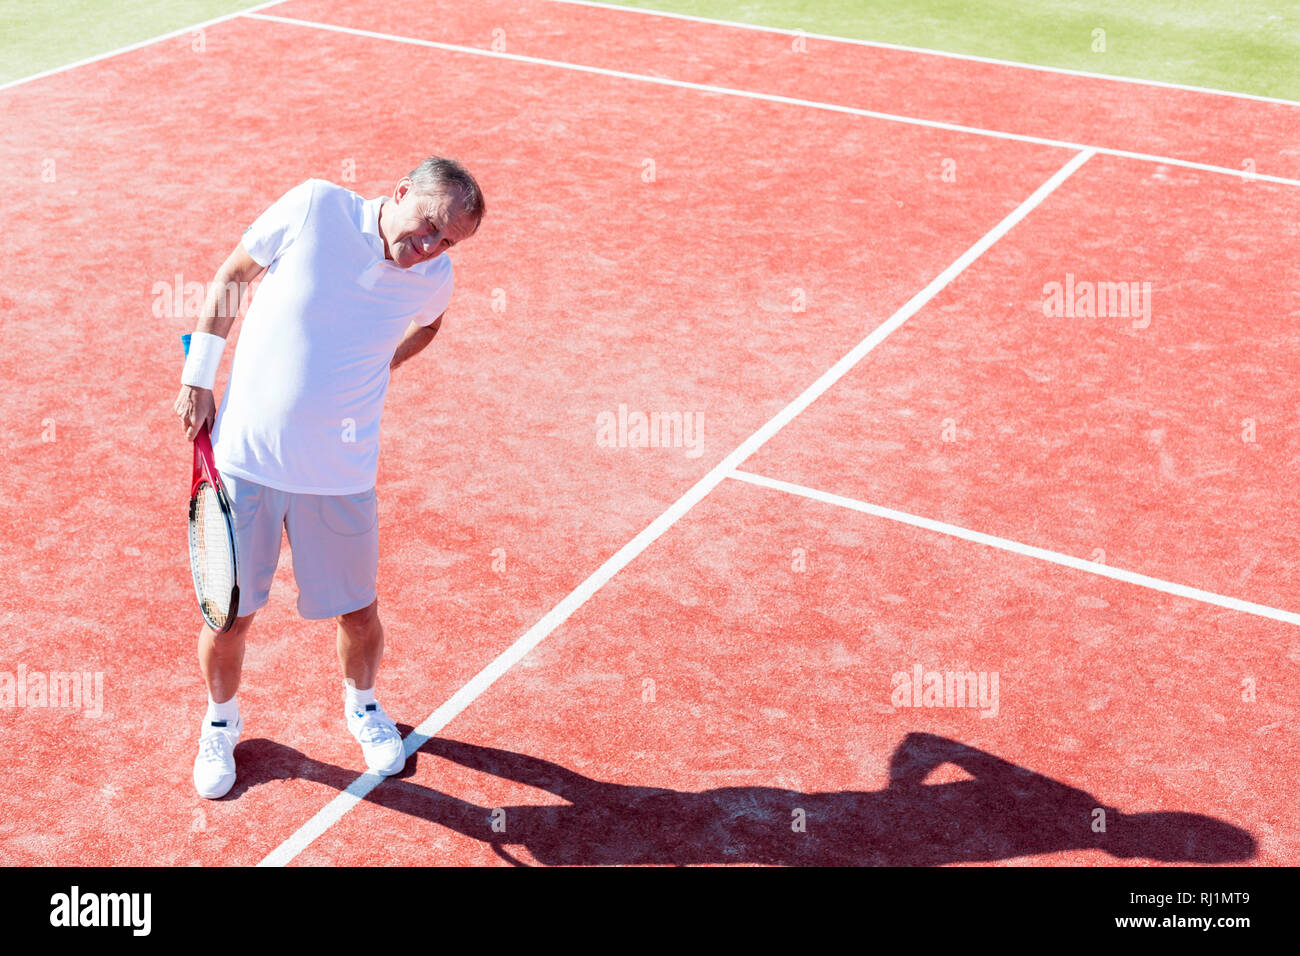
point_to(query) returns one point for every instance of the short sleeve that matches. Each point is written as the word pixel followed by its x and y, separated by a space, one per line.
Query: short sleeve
pixel 275 230
pixel 438 301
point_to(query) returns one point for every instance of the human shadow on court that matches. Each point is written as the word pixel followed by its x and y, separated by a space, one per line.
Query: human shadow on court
pixel 1003 811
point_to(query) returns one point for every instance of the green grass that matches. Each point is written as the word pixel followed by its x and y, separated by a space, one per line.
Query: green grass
pixel 41 34
pixel 1223 44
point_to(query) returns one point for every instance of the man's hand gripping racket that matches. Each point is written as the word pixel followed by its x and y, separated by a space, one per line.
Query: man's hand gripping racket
pixel 212 536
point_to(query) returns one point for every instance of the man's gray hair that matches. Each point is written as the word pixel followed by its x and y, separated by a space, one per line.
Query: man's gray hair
pixel 437 174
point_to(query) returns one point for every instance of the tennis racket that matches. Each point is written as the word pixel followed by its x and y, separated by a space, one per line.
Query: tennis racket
pixel 212 537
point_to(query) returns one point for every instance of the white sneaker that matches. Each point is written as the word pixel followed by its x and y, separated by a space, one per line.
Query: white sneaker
pixel 214 768
pixel 380 740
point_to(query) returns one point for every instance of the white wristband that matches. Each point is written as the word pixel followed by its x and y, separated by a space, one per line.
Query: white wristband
pixel 202 361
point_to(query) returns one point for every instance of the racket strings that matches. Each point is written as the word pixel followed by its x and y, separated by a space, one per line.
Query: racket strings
pixel 212 557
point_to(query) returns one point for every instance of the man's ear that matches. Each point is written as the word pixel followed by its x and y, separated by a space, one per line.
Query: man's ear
pixel 402 189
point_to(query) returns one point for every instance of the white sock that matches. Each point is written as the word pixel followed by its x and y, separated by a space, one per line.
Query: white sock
pixel 357 699
pixel 227 711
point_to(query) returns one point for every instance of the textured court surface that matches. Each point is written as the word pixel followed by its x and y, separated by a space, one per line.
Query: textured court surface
pixel 727 695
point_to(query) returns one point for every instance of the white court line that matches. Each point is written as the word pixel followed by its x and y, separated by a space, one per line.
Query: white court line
pixel 773 98
pixel 1015 547
pixel 330 814
pixel 135 46
pixel 854 41
pixel 726 23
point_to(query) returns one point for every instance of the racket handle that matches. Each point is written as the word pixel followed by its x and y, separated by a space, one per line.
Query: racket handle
pixel 201 439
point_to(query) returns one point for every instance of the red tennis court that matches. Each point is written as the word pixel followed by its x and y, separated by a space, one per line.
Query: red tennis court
pixel 687 653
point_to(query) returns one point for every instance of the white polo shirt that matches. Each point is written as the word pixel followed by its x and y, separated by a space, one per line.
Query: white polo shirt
pixel 301 412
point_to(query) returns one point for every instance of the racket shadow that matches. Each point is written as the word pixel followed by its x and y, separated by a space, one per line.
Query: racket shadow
pixel 1003 811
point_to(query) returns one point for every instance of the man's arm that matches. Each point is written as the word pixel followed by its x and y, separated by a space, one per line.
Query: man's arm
pixel 415 339
pixel 194 405
pixel 920 753
pixel 227 289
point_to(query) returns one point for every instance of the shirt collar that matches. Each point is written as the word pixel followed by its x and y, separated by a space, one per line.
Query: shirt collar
pixel 370 224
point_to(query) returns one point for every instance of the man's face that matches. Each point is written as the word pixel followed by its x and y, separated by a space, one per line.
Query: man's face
pixel 417 227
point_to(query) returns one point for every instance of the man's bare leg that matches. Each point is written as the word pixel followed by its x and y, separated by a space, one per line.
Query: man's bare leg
pixel 361 647
pixel 221 658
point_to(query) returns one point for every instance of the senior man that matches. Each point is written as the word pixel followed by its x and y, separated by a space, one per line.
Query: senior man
pixel 352 289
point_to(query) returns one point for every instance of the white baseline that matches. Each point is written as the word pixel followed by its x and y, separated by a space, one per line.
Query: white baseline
pixel 927 51
pixel 774 98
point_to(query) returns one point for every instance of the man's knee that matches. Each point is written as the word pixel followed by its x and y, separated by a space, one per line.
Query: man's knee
pixel 237 630
pixel 362 619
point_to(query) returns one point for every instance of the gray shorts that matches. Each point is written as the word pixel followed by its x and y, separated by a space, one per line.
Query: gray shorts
pixel 334 540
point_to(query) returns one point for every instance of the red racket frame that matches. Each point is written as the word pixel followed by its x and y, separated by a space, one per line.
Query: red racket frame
pixel 205 471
